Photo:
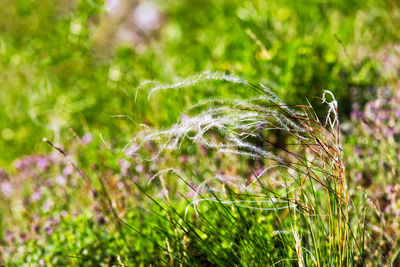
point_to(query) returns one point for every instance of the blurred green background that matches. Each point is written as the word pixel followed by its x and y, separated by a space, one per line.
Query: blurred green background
pixel 71 70
pixel 67 67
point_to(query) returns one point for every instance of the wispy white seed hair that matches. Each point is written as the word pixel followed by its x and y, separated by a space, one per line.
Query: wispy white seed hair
pixel 195 79
pixel 310 159
pixel 332 108
pixel 238 127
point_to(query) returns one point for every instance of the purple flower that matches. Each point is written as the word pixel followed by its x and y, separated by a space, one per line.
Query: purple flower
pixel 258 172
pixel 68 170
pixel 27 163
pixel 389 189
pixel 388 208
pixel 87 138
pixel 42 163
pixel 397 113
pixel 41 262
pixel 47 205
pixel 20 164
pixel 49 229
pixel 60 180
pixel 9 236
pixel 383 114
pixel 37 195
pixel 49 183
pixel 63 213
pixel 111 5
pixel 120 185
pixel 124 164
pixel 358 177
pixel 389 131
pixel 146 17
pixel 55 221
pixel 6 189
pixel 183 159
pixel 139 168
pixel 356 114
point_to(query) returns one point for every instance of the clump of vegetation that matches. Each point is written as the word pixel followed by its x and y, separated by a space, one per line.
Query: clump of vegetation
pixel 241 178
pixel 300 184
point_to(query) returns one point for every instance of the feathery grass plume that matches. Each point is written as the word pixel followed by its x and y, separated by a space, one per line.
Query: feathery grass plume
pixel 302 186
pixel 204 76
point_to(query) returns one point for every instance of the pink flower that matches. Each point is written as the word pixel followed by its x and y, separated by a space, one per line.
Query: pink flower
pixel 87 138
pixel 125 165
pixel 112 5
pixel 47 205
pixel 183 159
pixel 146 17
pixel 49 230
pixel 37 195
pixel 6 189
pixel 42 163
pixel 60 180
pixel 68 170
pixel 63 213
pixel 139 168
pixel 389 189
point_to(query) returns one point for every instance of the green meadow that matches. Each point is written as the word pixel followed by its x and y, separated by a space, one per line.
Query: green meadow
pixel 199 133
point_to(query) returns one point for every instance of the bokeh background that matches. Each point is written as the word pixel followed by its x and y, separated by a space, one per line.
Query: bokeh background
pixel 75 72
pixel 77 63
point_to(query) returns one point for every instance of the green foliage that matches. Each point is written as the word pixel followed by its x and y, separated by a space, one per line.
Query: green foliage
pixel 54 75
pixel 66 71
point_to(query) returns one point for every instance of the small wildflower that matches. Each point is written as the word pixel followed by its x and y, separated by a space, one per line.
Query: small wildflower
pixel 397 113
pixel 124 165
pixel 139 168
pixel 146 17
pixel 49 229
pixel 87 138
pixel 6 189
pixel 60 180
pixel 42 163
pixel 112 5
pixel 63 213
pixel 68 170
pixel 47 205
pixel 183 159
pixel 37 195
pixel 120 185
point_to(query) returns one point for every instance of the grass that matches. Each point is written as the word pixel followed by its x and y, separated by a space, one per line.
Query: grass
pixel 205 169
pixel 308 199
pixel 39 51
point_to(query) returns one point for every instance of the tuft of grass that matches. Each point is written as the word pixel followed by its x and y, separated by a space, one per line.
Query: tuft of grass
pixel 295 208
